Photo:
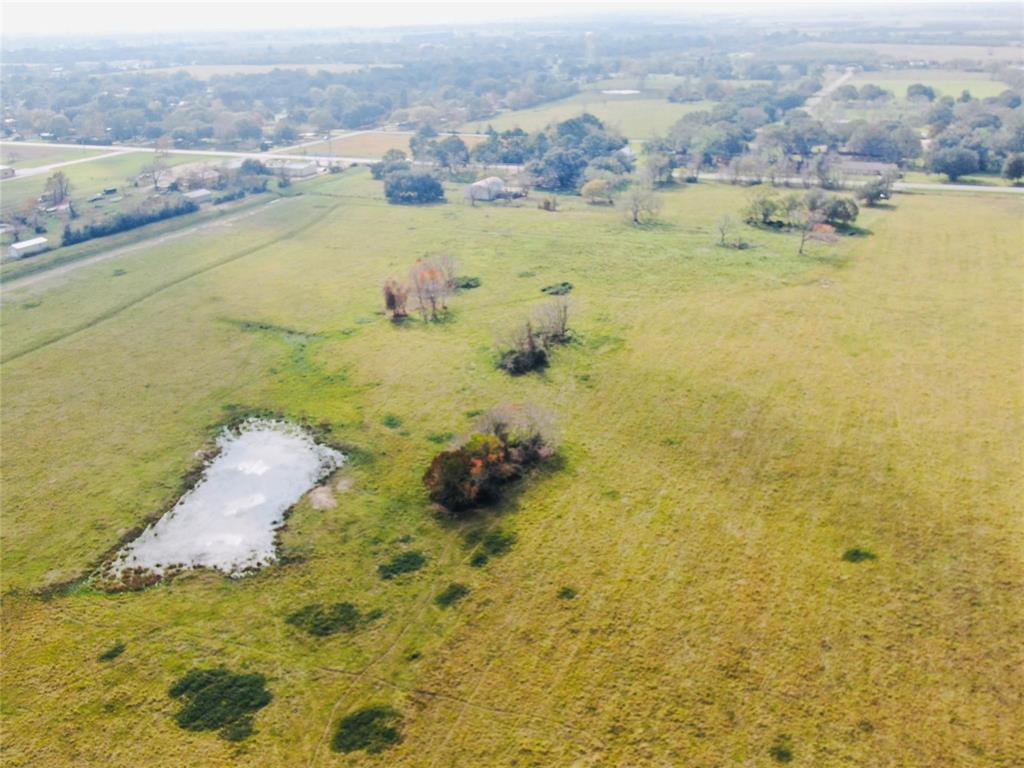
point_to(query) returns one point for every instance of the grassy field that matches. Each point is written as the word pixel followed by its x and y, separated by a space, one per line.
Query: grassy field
pixel 89 178
pixel 946 82
pixel 366 144
pixel 732 422
pixel 21 156
pixel 636 117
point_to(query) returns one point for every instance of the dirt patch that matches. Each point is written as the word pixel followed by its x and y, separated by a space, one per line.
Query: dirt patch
pixel 322 498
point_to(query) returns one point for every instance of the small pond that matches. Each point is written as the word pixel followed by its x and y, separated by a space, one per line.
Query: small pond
pixel 620 92
pixel 229 519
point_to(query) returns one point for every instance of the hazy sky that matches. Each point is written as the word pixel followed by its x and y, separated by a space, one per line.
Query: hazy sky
pixel 92 18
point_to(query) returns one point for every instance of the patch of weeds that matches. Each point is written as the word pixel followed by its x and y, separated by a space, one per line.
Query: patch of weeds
pixel 451 594
pixel 391 421
pixel 112 652
pixel 782 750
pixel 439 438
pixel 31 304
pixel 373 729
pixel 567 593
pixel 118 272
pixel 464 283
pixel 322 620
pixel 557 289
pixel 413 655
pixel 474 413
pixel 404 562
pixel 492 544
pixel 218 699
pixel 858 555
pixel 479 560
pixel 527 274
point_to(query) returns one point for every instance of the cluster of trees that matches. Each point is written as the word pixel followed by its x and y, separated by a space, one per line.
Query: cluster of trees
pixel 716 136
pixel 867 92
pixel 504 443
pixel 122 222
pixel 767 208
pixel 969 135
pixel 412 188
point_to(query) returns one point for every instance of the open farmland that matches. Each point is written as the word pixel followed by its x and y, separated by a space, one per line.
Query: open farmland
pixel 920 52
pixel 634 116
pixel 946 82
pixel 732 422
pixel 207 71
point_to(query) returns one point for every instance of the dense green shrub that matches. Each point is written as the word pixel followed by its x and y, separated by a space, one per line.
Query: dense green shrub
pixel 451 594
pixel 566 593
pixel 373 729
pixel 218 699
pixel 404 562
pixel 321 620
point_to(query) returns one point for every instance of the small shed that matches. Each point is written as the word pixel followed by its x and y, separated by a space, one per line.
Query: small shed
pixel 28 247
pixel 199 196
pixel 490 188
pixel 298 170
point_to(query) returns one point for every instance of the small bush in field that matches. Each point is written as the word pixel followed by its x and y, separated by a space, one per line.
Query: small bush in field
pixel 566 593
pixel 372 729
pixel 112 652
pixel 404 562
pixel 322 620
pixel 858 555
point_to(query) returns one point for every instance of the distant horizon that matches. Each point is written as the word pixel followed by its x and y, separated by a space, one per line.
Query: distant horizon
pixel 89 20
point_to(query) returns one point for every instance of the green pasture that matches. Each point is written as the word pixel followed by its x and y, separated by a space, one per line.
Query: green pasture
pixel 732 422
pixel 635 116
pixel 946 82
pixel 21 156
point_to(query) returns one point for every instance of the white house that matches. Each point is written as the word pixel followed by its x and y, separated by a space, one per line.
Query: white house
pixel 199 196
pixel 490 188
pixel 28 247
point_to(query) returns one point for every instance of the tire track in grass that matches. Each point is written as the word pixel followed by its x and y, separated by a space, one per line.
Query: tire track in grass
pixel 118 309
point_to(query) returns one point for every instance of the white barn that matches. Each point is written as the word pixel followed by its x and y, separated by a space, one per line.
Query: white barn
pixel 490 188
pixel 29 247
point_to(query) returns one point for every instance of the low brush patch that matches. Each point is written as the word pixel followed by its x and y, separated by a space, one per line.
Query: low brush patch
pixel 323 620
pixel 451 594
pixel 464 283
pixel 858 555
pixel 557 289
pixel 494 543
pixel 220 700
pixel 112 652
pixel 782 750
pixel 372 729
pixel 404 562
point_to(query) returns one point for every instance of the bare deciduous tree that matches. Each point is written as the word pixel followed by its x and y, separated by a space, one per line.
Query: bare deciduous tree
pixel 642 203
pixel 551 321
pixel 724 227
pixel 58 188
pixel 813 227
pixel 430 284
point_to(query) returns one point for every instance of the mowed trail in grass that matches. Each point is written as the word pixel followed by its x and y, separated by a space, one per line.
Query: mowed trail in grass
pixel 732 422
